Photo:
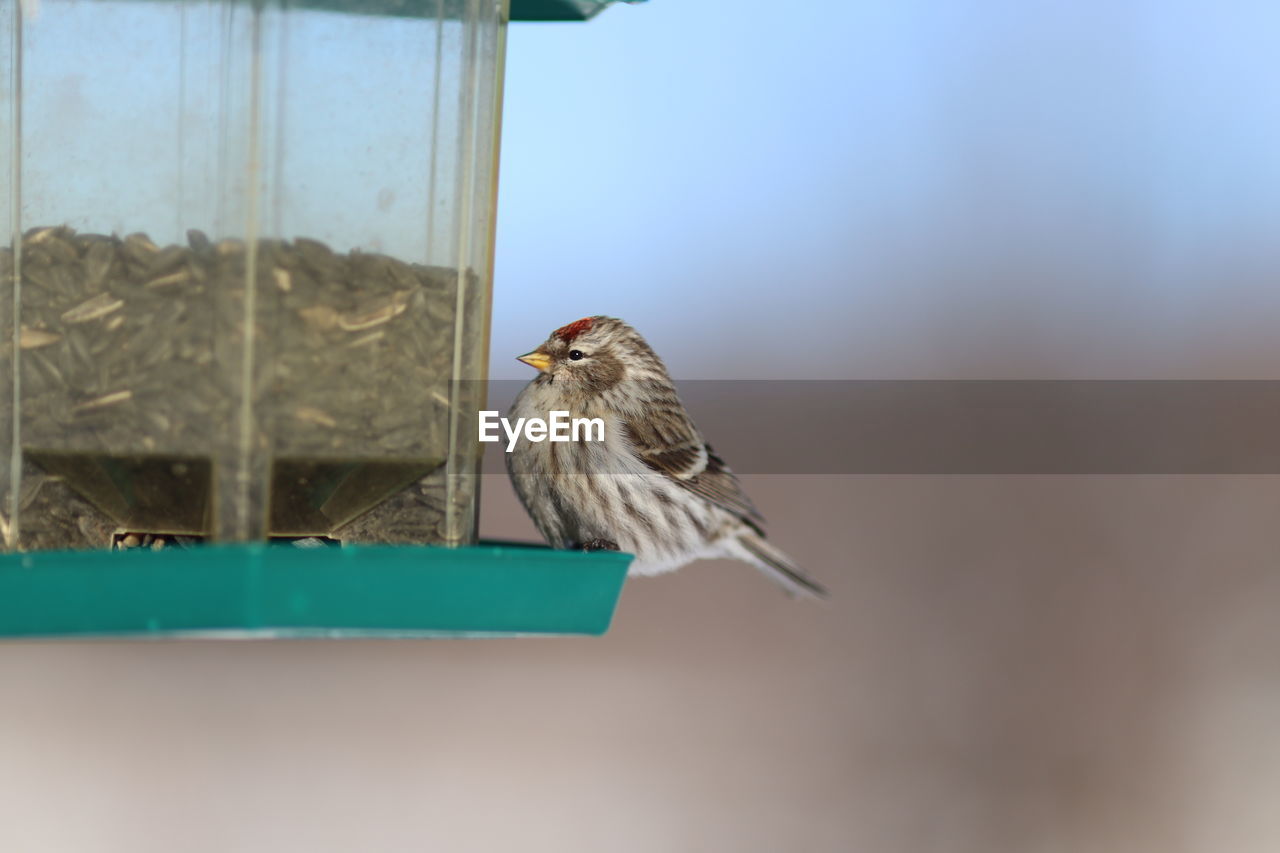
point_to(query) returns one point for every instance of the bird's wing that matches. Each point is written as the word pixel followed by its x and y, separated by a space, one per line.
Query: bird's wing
pixel 667 441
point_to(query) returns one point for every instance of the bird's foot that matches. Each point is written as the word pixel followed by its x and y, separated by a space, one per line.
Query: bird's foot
pixel 599 545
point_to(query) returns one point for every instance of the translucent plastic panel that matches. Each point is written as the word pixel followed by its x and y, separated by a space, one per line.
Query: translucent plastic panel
pixel 250 262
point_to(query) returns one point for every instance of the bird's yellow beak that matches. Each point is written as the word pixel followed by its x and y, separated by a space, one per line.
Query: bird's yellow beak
pixel 540 360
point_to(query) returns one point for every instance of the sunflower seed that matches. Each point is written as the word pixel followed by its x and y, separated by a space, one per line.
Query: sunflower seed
pixel 172 278
pixel 91 309
pixel 314 416
pixel 104 401
pixel 36 338
pixel 373 318
pixel 97 262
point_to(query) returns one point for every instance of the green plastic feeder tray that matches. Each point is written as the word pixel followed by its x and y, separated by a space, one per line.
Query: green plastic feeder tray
pixel 279 591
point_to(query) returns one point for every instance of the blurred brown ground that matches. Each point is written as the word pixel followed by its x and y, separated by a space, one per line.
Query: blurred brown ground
pixel 1007 664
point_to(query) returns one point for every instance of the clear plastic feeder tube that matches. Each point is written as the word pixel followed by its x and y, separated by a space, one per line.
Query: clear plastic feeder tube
pixel 245 268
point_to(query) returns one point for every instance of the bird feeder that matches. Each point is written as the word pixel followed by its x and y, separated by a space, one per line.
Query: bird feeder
pixel 244 293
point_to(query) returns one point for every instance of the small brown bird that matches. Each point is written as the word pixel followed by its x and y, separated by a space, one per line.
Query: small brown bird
pixel 652 487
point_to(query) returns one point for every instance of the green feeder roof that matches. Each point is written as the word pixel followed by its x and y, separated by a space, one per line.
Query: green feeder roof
pixel 558 10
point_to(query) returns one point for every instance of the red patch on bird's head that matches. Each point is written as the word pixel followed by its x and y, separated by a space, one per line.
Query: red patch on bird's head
pixel 571 331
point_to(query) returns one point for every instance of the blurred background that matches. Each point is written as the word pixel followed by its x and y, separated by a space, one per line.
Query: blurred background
pixel 870 190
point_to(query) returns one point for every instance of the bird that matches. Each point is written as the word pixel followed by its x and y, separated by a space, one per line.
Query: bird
pixel 652 486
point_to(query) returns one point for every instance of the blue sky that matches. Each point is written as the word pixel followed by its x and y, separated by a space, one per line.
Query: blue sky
pixel 900 189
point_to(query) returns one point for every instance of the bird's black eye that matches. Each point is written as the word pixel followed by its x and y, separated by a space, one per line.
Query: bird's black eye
pixel 576 354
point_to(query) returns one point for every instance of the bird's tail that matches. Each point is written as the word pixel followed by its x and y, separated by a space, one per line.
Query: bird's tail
pixel 778 567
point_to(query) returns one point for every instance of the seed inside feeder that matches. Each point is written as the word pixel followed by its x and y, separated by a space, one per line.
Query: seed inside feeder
pixel 127 375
